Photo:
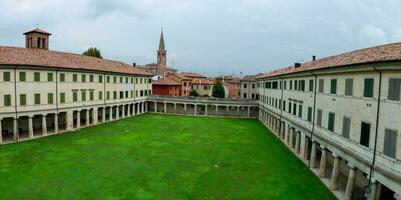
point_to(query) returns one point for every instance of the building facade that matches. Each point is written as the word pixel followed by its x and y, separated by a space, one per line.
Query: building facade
pixel 185 83
pixel 47 92
pixel 248 87
pixel 341 116
pixel 203 87
pixel 166 87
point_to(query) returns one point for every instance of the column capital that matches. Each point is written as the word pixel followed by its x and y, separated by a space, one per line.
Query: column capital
pixel 323 147
pixel 334 155
pixel 351 165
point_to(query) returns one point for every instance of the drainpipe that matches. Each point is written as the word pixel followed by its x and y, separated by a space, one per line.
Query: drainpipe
pixel 57 69
pixel 15 98
pixel 314 110
pixel 282 104
pixel 377 125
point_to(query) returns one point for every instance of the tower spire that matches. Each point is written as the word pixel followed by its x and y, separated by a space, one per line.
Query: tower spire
pixel 161 44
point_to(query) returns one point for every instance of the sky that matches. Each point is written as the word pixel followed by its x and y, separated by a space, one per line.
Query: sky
pixel 206 36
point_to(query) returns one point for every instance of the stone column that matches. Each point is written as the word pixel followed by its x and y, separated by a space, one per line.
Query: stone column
pixel 205 109
pixel 287 135
pixel 123 111
pixel 56 123
pixel 322 167
pixel 143 107
pixel 44 125
pixel 249 111
pixel 217 109
pixel 227 109
pixel 30 127
pixel 195 109
pixel 185 108
pixel 165 107
pixel 111 113
pixel 155 106
pixel 117 112
pixel 313 155
pixel 350 183
pixel 238 109
pixel 373 192
pixel 1 133
pixel 69 120
pixel 104 115
pixel 175 108
pixel 297 142
pixel 146 106
pixel 397 196
pixel 95 115
pixel 87 118
pixel 302 148
pixel 291 138
pixel 15 129
pixel 335 173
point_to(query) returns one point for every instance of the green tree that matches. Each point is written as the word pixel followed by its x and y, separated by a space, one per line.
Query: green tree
pixel 93 51
pixel 218 90
pixel 193 93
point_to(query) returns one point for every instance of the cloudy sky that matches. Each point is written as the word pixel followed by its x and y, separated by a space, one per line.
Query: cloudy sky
pixel 207 36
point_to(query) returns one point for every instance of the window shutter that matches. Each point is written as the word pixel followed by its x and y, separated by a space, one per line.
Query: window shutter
pixel 390 141
pixel 349 86
pixel 368 89
pixel 346 127
pixel 319 117
pixel 396 90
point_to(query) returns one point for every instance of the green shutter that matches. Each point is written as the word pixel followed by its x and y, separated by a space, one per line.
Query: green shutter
pixel 91 78
pixel 310 114
pixel 75 77
pixel 311 85
pixel 36 76
pixel 74 96
pixel 62 97
pixel 22 99
pixel 91 95
pixel 83 78
pixel 333 86
pixel 37 99
pixel 368 88
pixel 50 77
pixel 50 98
pixel 22 76
pixel 83 95
pixel 6 76
pixel 7 100
pixel 331 122
pixel 62 77
pixel 100 95
pixel 100 79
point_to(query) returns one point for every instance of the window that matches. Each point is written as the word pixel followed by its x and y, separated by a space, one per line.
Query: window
pixel 75 77
pixel 390 143
pixel 141 93
pixel 244 95
pixel 100 79
pixel 283 104
pixel 91 95
pixel 83 95
pixel 311 85
pixel 346 127
pixel 136 80
pixel 83 78
pixel 22 76
pixel 22 99
pixel 132 94
pixel 285 85
pixel 49 77
pixel 91 78
pixel 108 94
pixel 6 76
pixel 275 85
pixel 121 95
pixel 126 79
pixel 50 98
pixel 62 97
pixel 136 93
pixel 331 122
pixel 108 79
pixel 253 86
pixel 302 85
pixel 294 111
pixel 7 100
pixel 37 99
pixel 321 85
pixel 121 79
pixel 319 117
pixel 300 111
pixel 365 134
pixel 289 107
pixel 310 114
pixel 100 95
pixel 149 80
pixel 114 94
pixel 291 85
pixel 244 85
pixel 349 86
pixel 368 87
pixel 74 96
pixel 333 86
pixel 114 79
pixel 126 94
pixel 36 76
pixel 295 85
pixel 394 89
pixel 62 77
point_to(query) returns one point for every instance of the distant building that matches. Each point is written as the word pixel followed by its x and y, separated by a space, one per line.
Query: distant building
pixel 167 87
pixel 193 75
pixel 185 83
pixel 232 86
pixel 203 86
pixel 248 87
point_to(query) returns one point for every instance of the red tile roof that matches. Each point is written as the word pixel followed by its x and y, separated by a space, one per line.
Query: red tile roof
pixel 202 82
pixel 54 59
pixel 166 81
pixel 383 53
pixel 192 75
pixel 37 30
pixel 179 76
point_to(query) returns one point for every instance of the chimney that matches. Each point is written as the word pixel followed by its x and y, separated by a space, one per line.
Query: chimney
pixel 134 64
pixel 313 58
pixel 296 65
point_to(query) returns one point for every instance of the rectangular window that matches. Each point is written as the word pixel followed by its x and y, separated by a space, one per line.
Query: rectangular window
pixel 108 94
pixel 132 94
pixel 83 78
pixel 365 134
pixel 311 85
pixel 244 85
pixel 331 122
pixel 91 95
pixel 108 79
pixel 62 77
pixel 310 114
pixel 149 80
pixel 91 78
pixel 295 85
pixel 6 76
pixel 136 93
pixel 285 85
pixel 36 76
pixel 390 143
pixel 50 98
pixel 321 85
pixel 284 103
pixel 114 94
pixel 49 77
pixel 74 77
pixel 114 79
pixel 22 99
pixel 368 87
pixel 121 95
pixel 7 100
pixel 121 79
pixel 141 92
pixel 349 87
pixel 100 79
pixel 333 86
pixel 291 85
pixel 346 127
pixel 294 111
pixel 37 99
pixel 62 97
pixel 74 96
pixel 126 79
pixel 289 107
pixel 394 86
pixel 83 95
pixel 300 111
pixel 100 95
pixel 22 76
pixel 319 117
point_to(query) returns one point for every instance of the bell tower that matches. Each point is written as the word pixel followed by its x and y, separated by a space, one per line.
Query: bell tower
pixel 161 56
pixel 37 39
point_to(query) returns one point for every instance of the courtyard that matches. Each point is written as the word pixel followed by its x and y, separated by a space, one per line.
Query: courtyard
pixel 158 157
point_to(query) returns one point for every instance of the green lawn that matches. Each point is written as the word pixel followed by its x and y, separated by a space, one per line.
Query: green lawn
pixel 158 157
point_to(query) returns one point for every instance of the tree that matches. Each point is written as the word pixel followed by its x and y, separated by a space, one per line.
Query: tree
pixel 93 51
pixel 218 90
pixel 193 93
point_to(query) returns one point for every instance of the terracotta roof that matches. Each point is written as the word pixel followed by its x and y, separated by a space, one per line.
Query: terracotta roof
pixel 383 53
pixel 251 77
pixel 166 81
pixel 179 76
pixel 55 59
pixel 192 75
pixel 202 82
pixel 37 30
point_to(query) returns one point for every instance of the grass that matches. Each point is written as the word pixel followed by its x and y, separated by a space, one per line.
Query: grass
pixel 158 157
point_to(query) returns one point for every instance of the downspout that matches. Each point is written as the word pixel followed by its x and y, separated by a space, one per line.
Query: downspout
pixel 57 69
pixel 377 125
pixel 104 92
pixel 314 110
pixel 281 104
pixel 15 99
